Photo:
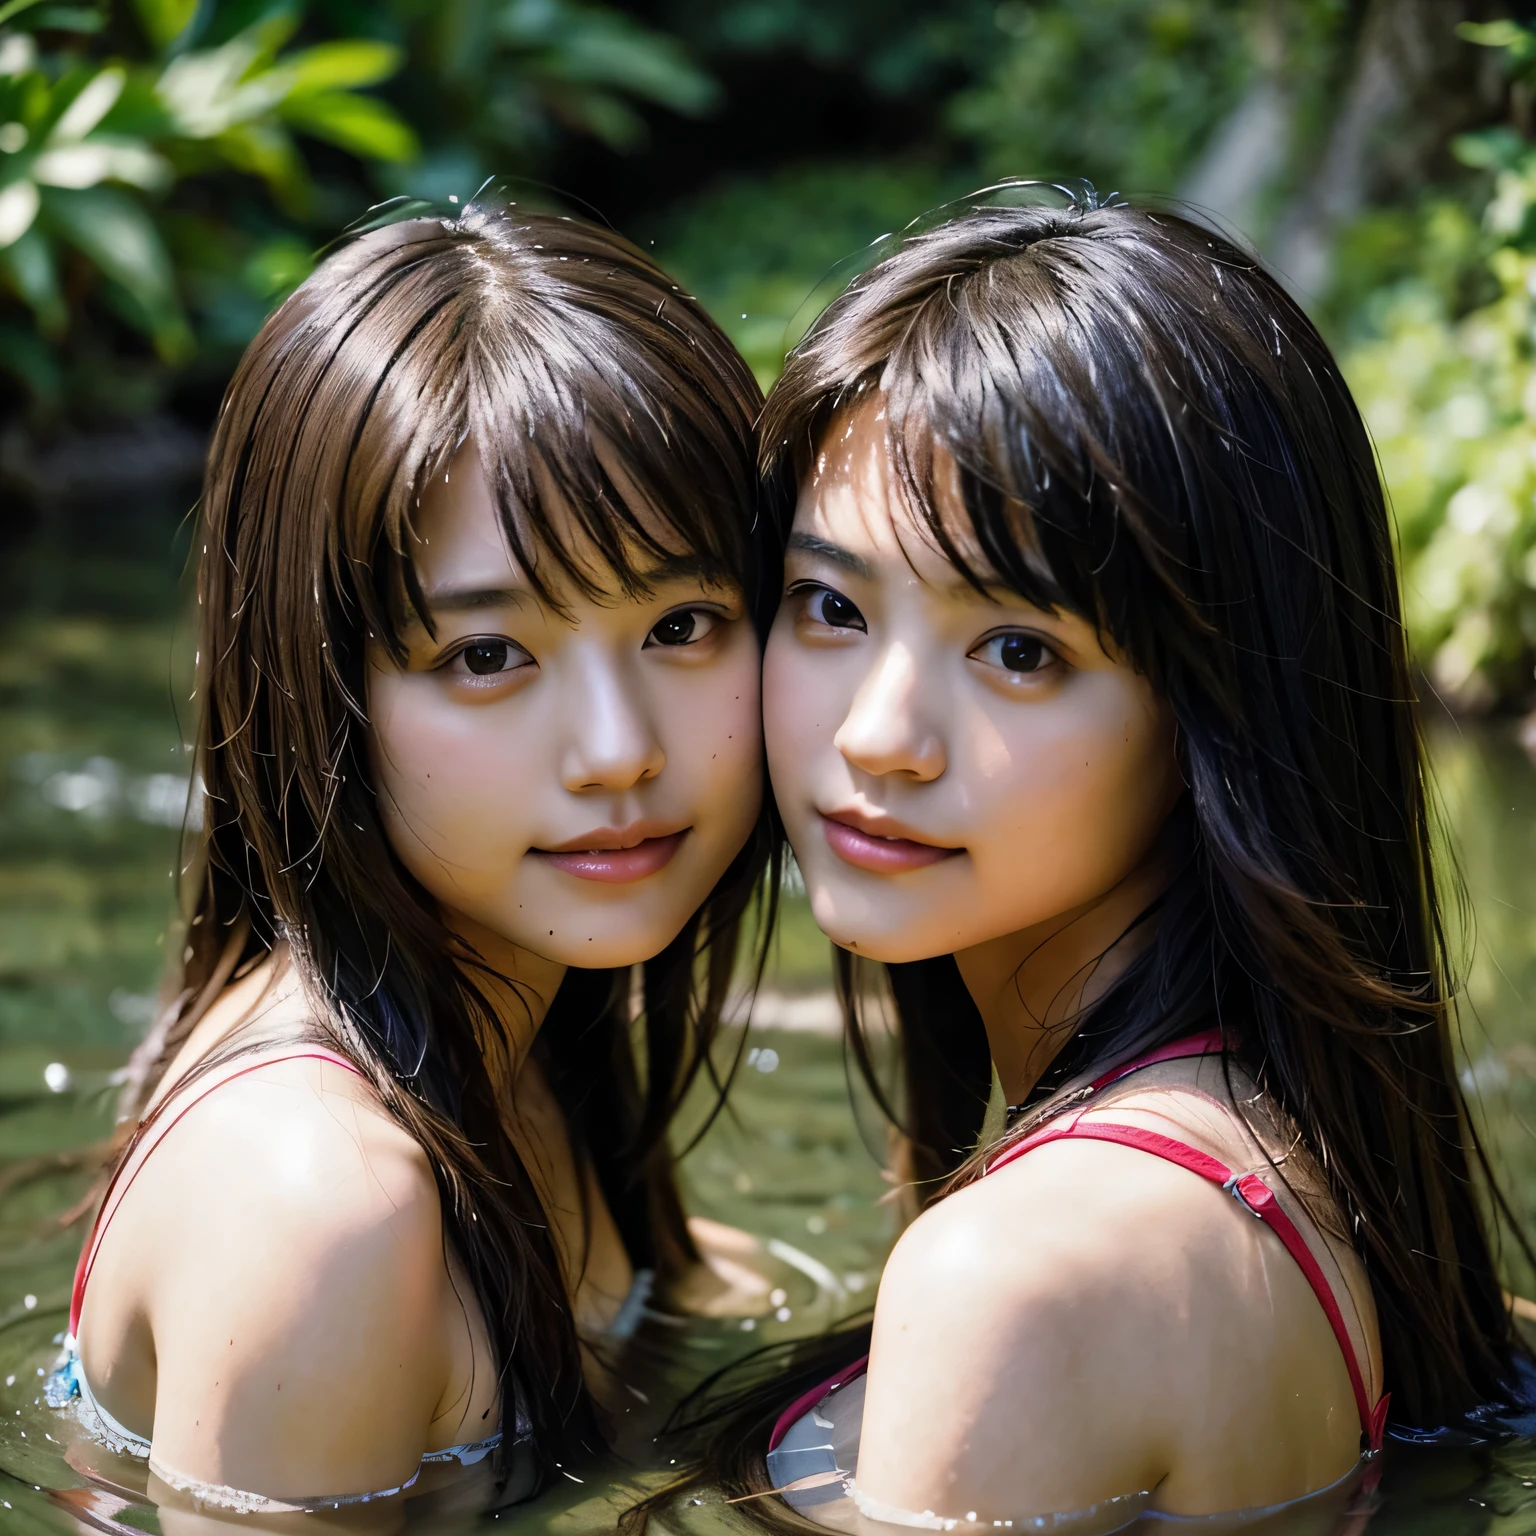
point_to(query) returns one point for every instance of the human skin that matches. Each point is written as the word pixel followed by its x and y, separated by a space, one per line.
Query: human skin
pixel 963 773
pixel 1028 798
pixel 609 727
pixel 631 727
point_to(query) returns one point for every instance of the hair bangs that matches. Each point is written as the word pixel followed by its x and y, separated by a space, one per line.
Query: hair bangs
pixel 612 418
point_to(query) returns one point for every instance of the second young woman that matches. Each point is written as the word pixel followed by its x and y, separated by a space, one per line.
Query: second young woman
pixel 481 582
pixel 1089 716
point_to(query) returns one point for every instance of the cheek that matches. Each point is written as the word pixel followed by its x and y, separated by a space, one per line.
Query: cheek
pixel 442 774
pixel 713 730
pixel 801 713
pixel 1072 795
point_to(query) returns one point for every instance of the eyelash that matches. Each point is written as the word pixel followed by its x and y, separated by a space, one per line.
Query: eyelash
pixel 1047 657
pixel 510 648
pixel 810 590
pixel 714 616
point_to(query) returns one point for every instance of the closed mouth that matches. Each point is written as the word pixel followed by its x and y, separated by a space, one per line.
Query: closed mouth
pixel 879 853
pixel 614 857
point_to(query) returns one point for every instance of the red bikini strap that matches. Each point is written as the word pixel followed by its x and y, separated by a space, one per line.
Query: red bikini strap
pixel 1258 1199
pixel 1210 1042
pixel 808 1400
pixel 141 1155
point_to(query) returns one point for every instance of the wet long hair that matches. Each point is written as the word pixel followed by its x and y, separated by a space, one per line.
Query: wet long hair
pixel 1150 434
pixel 543 340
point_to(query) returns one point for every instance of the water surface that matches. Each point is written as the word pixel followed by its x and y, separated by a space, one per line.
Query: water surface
pixel 92 785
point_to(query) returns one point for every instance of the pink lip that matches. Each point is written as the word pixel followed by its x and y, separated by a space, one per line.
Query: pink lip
pixel 880 855
pixel 616 864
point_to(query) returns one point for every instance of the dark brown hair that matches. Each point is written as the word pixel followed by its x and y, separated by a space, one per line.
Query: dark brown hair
pixel 1151 434
pixel 542 339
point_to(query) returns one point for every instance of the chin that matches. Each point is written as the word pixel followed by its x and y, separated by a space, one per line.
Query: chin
pixel 891 941
pixel 601 951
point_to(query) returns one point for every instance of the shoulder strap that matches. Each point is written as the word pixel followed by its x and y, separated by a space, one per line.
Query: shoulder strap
pixel 1255 1197
pixel 1209 1042
pixel 138 1153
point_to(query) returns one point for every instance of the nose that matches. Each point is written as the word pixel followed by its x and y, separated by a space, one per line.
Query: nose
pixel 885 730
pixel 611 742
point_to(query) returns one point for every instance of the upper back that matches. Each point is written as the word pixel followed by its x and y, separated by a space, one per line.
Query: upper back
pixel 1090 1321
pixel 267 1296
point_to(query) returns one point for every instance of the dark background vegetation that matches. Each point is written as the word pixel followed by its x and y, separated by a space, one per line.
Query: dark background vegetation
pixel 169 169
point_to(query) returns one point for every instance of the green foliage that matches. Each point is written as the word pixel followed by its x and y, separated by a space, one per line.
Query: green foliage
pixel 1124 92
pixel 1446 377
pixel 495 82
pixel 898 47
pixel 89 144
pixel 134 134
pixel 765 254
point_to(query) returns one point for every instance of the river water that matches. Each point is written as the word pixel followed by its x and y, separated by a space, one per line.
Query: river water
pixel 92 785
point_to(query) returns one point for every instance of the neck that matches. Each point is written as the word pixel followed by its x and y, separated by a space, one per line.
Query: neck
pixel 1034 987
pixel 518 984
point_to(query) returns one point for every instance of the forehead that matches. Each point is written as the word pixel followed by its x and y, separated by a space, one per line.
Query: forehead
pixel 854 497
pixel 460 537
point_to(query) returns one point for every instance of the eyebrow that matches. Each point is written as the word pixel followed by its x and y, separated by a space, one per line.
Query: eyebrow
pixel 835 554
pixel 468 599
pixel 682 568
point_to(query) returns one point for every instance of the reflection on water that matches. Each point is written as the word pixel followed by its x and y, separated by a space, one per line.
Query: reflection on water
pixel 92 778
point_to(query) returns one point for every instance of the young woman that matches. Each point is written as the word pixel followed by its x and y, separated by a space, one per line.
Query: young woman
pixel 481 583
pixel 1089 716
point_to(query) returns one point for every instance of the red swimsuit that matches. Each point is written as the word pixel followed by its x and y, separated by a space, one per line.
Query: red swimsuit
pixel 1250 1191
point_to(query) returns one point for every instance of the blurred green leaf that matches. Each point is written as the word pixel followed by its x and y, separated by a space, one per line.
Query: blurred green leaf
pixel 265 149
pixel 29 266
pixel 362 124
pixel 14 8
pixel 593 45
pixel 165 20
pixel 29 359
pixel 19 202
pixel 341 66
pixel 1519 41
pixel 275 269
pixel 102 159
pixel 597 46
pixel 80 100
pixel 68 18
pixel 1491 149
pixel 120 239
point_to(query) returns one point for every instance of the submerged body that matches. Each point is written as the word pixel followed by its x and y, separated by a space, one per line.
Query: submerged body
pixel 1088 716
pixel 297 1174
pixel 1075 1250
pixel 483 812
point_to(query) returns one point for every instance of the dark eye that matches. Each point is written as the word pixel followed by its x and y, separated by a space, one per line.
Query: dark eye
pixel 833 609
pixel 685 627
pixel 486 656
pixel 1014 652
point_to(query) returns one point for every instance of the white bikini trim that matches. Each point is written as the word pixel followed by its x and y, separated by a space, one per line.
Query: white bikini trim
pixel 877 1509
pixel 68 1383
pixel 221 1496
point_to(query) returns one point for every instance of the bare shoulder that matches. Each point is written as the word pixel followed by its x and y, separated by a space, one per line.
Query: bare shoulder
pixel 1071 1214
pixel 285 1244
pixel 1078 1326
pixel 289 1136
